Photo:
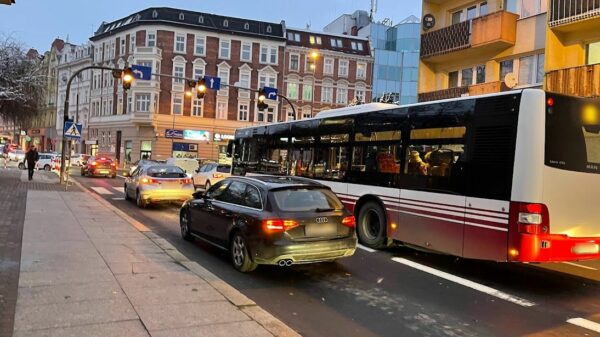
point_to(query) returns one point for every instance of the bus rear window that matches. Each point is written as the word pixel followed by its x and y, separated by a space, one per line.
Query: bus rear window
pixel 573 134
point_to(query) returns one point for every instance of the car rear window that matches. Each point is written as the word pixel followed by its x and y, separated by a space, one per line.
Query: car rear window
pixel 224 168
pixel 303 199
pixel 165 172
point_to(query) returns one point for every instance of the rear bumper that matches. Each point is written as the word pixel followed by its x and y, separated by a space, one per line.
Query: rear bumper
pixel 166 196
pixel 554 248
pixel 102 172
pixel 303 252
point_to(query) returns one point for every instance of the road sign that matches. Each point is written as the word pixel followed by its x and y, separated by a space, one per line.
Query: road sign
pixel 141 72
pixel 213 82
pixel 270 93
pixel 72 130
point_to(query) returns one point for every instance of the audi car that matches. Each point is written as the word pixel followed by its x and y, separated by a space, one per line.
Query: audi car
pixel 99 166
pixel 270 220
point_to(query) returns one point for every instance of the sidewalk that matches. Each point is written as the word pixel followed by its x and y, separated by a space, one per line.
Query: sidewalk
pixel 87 269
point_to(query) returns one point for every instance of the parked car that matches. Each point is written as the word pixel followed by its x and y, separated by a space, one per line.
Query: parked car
pixel 270 220
pixel 79 159
pixel 141 162
pixel 100 166
pixel 16 155
pixel 187 164
pixel 158 184
pixel 45 161
pixel 210 174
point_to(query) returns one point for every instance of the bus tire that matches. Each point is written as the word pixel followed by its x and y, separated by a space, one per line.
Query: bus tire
pixel 372 225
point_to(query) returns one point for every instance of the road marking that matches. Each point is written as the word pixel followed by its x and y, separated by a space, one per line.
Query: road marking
pixel 370 250
pixel 120 189
pixel 467 283
pixel 101 190
pixel 579 265
pixel 123 177
pixel 118 199
pixel 584 323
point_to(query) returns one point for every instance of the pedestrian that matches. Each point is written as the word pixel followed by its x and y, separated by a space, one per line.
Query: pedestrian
pixel 31 157
pixel 5 151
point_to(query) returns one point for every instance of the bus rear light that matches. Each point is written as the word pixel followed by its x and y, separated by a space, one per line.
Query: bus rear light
pixel 279 225
pixel 532 218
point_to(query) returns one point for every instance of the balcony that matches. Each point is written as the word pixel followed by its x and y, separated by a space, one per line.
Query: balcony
pixel 149 51
pixel 473 90
pixel 574 15
pixel 481 37
pixel 583 81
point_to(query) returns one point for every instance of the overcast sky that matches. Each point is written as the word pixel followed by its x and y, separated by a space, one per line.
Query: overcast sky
pixel 37 22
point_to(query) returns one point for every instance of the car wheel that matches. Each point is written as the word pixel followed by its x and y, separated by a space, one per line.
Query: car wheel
pixel 139 200
pixel 126 194
pixel 372 226
pixel 240 257
pixel 46 167
pixel 207 185
pixel 184 224
pixel 21 166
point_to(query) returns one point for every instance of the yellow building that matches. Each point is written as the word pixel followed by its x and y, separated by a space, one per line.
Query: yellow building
pixel 573 47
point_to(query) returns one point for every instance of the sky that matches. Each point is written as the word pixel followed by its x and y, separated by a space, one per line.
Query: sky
pixel 36 23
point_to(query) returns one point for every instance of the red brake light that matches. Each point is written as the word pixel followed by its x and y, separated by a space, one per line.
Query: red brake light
pixel 186 181
pixel 217 175
pixel 349 221
pixel 531 218
pixel 103 158
pixel 94 163
pixel 113 164
pixel 550 101
pixel 148 181
pixel 279 225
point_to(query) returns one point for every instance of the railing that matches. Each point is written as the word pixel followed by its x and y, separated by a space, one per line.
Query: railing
pixel 568 11
pixel 583 81
pixel 446 40
pixel 443 94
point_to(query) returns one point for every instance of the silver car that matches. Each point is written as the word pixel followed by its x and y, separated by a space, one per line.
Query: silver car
pixel 158 184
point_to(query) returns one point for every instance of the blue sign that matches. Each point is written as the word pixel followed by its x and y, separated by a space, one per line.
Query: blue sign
pixel 213 82
pixel 176 134
pixel 270 93
pixel 72 130
pixel 141 72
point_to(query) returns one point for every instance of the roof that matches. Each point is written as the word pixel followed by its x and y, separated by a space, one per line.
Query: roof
pixel 273 182
pixel 350 44
pixel 196 20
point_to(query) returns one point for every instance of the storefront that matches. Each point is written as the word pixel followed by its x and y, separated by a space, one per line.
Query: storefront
pixel 220 142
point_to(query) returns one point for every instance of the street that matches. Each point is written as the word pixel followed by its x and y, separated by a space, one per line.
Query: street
pixel 398 291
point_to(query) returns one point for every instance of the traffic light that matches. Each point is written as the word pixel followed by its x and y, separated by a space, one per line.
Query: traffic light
pixel 200 88
pixel 261 100
pixel 127 78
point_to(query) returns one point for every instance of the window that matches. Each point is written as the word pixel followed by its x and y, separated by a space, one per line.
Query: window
pixel 295 62
pixel 142 102
pixel 151 39
pixel 246 53
pixel 326 94
pixel 306 113
pixel 359 94
pixel 121 49
pixel 252 198
pixel 132 43
pixel 246 26
pixel 217 192
pixel 343 68
pixel 181 17
pixel 361 70
pixel 456 17
pixel 471 12
pixel 225 23
pixel 328 66
pixel 245 79
pixel 224 49
pixel 467 77
pixel 336 43
pixel 315 39
pixel 307 92
pixel 480 76
pixel 269 113
pixel 224 75
pixel 531 69
pixel 268 54
pixel 292 90
pixel 526 8
pixel 180 43
pixel 506 67
pixel 221 109
pixel 129 104
pixel 266 80
pixel 197 107
pixel 200 45
pixel 540 68
pixel 360 46
pixel 177 108
pixel 243 111
pixel 145 63
pixel 593 53
pixel 178 73
pixel 453 79
pixel 483 9
pixel 198 71
pixel 293 37
pixel 353 45
pixel 342 96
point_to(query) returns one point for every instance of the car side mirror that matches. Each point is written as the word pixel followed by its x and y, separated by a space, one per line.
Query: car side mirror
pixel 198 195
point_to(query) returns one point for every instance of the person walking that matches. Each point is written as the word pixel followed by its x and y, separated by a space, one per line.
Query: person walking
pixel 31 157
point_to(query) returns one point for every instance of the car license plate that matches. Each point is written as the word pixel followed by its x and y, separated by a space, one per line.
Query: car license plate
pixel 320 230
pixel 103 171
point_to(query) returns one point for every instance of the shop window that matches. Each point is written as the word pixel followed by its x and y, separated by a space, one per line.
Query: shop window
pixel 146 149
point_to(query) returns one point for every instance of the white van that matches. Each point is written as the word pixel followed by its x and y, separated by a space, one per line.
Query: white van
pixel 190 166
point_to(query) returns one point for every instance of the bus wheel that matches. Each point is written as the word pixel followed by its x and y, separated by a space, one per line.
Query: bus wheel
pixel 371 225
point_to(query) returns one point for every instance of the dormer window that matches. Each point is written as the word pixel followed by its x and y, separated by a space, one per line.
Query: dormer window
pixel 154 14
pixel 269 29
pixel 181 17
pixel 247 26
pixel 201 19
pixel 225 23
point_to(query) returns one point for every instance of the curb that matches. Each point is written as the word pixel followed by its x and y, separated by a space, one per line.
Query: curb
pixel 241 301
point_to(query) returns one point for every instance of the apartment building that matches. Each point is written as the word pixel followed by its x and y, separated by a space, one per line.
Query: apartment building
pixel 155 118
pixel 477 47
pixel 325 71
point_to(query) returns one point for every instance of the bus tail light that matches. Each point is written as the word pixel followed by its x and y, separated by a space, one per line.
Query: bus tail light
pixel 532 218
pixel 279 225
pixel 349 221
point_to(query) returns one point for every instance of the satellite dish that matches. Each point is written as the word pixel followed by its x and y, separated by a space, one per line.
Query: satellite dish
pixel 510 80
pixel 428 21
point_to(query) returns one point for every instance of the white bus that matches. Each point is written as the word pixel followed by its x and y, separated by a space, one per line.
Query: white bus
pixel 513 176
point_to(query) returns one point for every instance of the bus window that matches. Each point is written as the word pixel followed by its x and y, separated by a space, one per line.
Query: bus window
pixel 331 163
pixel 376 164
pixel 301 162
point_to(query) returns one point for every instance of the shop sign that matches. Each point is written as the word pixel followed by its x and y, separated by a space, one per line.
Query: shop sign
pixel 200 135
pixel 174 134
pixel 219 137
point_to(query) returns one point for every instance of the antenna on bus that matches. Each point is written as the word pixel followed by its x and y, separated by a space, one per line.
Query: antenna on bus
pixel 373 9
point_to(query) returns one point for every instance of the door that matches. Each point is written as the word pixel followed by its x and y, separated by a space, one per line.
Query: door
pixel 226 210
pixel 203 211
pixel 132 183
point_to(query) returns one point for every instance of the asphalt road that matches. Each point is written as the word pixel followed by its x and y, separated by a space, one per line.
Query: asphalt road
pixel 399 291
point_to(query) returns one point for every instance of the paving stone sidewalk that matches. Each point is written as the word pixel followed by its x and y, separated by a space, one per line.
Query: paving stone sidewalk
pixel 87 271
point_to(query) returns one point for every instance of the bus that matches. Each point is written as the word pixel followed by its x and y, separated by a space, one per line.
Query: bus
pixel 513 176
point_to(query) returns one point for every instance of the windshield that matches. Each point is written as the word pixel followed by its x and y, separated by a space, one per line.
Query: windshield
pixel 165 172
pixel 223 168
pixel 573 134
pixel 300 200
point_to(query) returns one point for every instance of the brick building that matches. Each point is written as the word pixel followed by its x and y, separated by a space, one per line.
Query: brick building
pixel 324 71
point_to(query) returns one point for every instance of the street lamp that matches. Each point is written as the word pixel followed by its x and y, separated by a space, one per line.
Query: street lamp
pixel 312 63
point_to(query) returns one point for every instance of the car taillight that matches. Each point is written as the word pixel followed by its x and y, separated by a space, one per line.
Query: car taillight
pixel 148 181
pixel 94 163
pixel 349 221
pixel 186 181
pixel 217 175
pixel 532 218
pixel 279 225
pixel 113 164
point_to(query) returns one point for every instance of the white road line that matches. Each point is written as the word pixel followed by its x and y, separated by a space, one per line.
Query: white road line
pixel 370 250
pixel 101 190
pixel 120 189
pixel 579 265
pixel 584 323
pixel 467 283
pixel 123 177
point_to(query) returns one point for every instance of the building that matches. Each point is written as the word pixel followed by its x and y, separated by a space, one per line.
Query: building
pixel 573 47
pixel 325 71
pixel 395 49
pixel 72 59
pixel 470 48
pixel 155 118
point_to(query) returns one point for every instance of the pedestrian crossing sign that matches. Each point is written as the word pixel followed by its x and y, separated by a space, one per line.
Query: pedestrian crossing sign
pixel 72 130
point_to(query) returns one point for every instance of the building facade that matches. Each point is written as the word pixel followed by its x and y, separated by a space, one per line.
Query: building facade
pixel 395 49
pixel 325 71
pixel 156 119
